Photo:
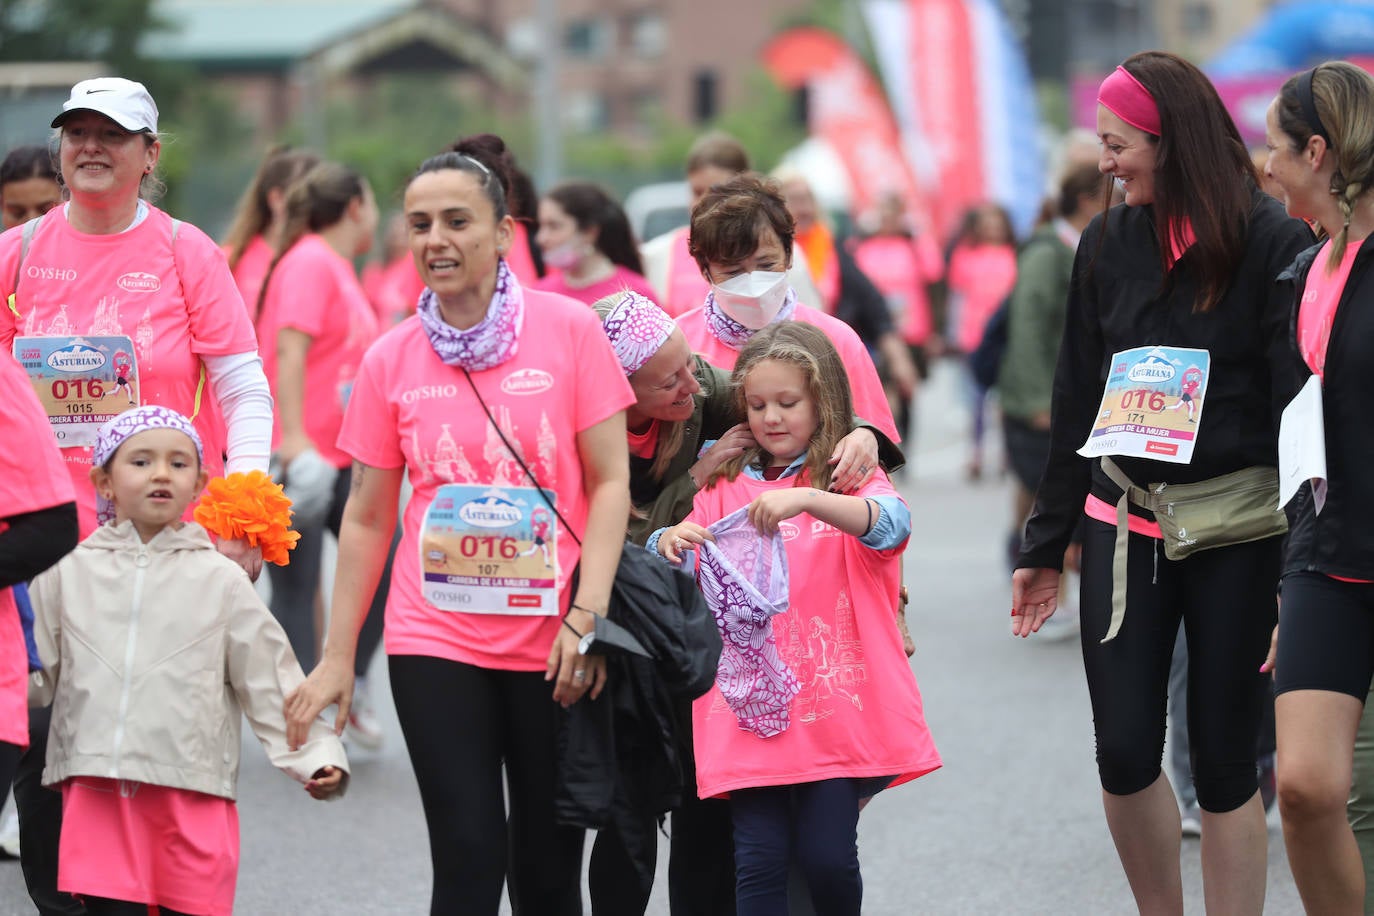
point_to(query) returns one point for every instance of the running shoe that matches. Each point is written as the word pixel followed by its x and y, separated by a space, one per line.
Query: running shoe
pixel 1192 820
pixel 9 834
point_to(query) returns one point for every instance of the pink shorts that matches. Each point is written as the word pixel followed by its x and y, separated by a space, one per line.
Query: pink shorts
pixel 148 844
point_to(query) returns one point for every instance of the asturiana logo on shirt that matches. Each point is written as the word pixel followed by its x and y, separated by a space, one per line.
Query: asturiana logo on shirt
pixel 139 282
pixel 76 357
pixel 490 512
pixel 34 272
pixel 1151 369
pixel 527 381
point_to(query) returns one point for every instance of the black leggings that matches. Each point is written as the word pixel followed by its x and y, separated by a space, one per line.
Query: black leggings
pixel 461 723
pixel 1327 638
pixel 294 587
pixel 1226 599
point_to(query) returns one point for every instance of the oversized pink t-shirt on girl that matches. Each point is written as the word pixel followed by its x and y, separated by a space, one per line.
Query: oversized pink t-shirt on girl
pixel 870 401
pixel 980 277
pixel 410 409
pixel 35 479
pixel 859 712
pixel 175 299
pixel 622 279
pixel 250 271
pixel 315 291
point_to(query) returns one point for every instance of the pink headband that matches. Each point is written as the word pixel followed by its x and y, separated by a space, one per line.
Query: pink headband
pixel 1126 98
pixel 637 330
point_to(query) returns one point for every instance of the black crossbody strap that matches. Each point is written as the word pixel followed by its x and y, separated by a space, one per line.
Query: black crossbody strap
pixel 521 461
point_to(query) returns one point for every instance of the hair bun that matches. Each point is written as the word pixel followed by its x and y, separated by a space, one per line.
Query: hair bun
pixel 491 151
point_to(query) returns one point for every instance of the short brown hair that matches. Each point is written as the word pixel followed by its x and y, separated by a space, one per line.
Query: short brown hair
pixel 727 222
pixel 717 150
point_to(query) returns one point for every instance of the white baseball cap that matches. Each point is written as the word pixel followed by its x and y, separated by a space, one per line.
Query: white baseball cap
pixel 125 102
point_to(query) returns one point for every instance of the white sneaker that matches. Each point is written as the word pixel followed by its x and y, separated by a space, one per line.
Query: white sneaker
pixel 9 834
pixel 363 729
pixel 1191 817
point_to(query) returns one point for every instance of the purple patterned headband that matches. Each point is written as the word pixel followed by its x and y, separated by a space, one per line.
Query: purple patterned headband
pixel 115 431
pixel 637 330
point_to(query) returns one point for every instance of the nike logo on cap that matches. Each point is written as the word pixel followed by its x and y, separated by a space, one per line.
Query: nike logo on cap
pixel 94 91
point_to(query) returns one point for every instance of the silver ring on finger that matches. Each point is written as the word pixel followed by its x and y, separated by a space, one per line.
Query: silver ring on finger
pixel 580 674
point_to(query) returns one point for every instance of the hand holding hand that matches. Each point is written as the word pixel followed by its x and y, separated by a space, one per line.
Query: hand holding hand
pixel 330 682
pixel 325 782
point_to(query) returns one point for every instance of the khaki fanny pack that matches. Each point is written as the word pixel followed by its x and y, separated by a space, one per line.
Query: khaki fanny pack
pixel 1231 509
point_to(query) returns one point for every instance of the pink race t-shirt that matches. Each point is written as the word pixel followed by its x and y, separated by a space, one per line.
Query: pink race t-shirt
pixel 251 270
pixel 315 291
pixel 1320 299
pixel 901 268
pixel 980 277
pixel 410 410
pixel 870 401
pixel 35 479
pixel 859 712
pixel 687 288
pixel 175 300
pixel 622 279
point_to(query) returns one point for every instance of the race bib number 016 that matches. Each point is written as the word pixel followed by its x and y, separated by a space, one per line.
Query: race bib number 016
pixel 80 381
pixel 1152 405
pixel 489 550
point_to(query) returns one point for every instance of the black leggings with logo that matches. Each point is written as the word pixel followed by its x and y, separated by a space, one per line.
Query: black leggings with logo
pixel 1226 599
pixel 464 726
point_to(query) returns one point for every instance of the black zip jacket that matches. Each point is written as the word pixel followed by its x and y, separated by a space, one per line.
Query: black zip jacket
pixel 1340 541
pixel 1119 299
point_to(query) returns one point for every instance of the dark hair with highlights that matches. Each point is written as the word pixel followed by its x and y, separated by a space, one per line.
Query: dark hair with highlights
pixel 592 207
pixel 1203 176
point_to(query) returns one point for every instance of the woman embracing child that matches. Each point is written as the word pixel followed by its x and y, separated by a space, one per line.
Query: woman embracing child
pixel 152 643
pixel 835 715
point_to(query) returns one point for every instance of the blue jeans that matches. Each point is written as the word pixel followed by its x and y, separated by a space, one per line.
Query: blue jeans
pixel 816 824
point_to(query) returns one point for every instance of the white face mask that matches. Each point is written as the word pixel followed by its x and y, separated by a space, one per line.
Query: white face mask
pixel 567 255
pixel 752 299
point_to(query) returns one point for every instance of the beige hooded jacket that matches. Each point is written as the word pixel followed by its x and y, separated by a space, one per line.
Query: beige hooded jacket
pixel 151 653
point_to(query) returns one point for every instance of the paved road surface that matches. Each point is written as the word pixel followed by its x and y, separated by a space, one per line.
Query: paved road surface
pixel 1012 823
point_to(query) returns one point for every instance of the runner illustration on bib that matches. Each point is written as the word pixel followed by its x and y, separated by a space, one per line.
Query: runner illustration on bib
pixel 1152 405
pixel 489 550
pixel 73 376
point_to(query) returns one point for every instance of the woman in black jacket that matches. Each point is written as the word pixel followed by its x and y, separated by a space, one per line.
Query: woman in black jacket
pixel 1320 132
pixel 1188 262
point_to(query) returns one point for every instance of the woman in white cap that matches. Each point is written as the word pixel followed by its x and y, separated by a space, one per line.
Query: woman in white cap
pixel 108 295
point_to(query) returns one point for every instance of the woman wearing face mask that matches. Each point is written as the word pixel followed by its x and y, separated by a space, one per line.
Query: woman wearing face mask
pixel 28 185
pixel 587 244
pixel 741 238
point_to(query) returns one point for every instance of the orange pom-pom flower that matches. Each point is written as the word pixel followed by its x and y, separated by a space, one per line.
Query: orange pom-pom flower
pixel 252 507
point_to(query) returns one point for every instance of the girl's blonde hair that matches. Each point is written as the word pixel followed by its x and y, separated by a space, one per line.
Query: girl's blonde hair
pixel 1343 96
pixel 670 435
pixel 318 200
pixel 827 384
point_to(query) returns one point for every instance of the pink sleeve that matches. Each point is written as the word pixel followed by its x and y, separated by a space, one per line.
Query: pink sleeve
pixel 928 259
pixel 370 424
pixel 9 262
pixel 219 322
pixel 870 400
pixel 303 288
pixel 602 388
pixel 35 475
pixel 958 269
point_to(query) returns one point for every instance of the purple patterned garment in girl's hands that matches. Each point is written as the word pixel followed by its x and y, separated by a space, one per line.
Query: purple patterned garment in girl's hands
pixel 743 575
